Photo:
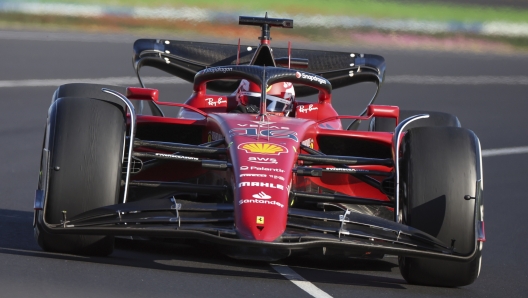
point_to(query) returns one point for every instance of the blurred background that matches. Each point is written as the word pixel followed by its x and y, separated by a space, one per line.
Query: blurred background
pixel 451 25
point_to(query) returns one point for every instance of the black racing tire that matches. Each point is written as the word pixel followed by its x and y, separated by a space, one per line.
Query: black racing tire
pixel 85 142
pixel 439 167
pixel 85 90
pixel 435 119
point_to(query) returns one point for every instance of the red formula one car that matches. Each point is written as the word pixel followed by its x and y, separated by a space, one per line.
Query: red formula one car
pixel 259 172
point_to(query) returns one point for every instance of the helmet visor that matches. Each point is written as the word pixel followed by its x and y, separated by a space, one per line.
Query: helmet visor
pixel 273 103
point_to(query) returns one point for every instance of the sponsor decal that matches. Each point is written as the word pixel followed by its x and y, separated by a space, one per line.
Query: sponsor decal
pixel 308 143
pixel 312 78
pixel 260 123
pixel 263 148
pixel 276 177
pixel 344 170
pixel 298 75
pixel 272 133
pixel 254 175
pixel 261 184
pixel 254 168
pixel 212 102
pixel 261 195
pixel 257 201
pixel 265 124
pixel 214 136
pixel 176 156
pixel 217 69
pixel 263 160
pixel 280 133
pixel 310 108
pixel 263 176
pixel 260 220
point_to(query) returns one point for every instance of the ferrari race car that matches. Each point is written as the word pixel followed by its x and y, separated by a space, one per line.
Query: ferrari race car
pixel 262 177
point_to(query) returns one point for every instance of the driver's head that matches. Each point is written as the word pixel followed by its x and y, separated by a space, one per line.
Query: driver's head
pixel 279 97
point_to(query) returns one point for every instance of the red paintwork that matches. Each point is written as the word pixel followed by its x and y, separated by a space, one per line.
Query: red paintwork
pixel 384 111
pixel 142 93
pixel 263 154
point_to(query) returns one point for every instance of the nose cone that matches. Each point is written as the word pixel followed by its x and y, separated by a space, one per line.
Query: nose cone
pixel 262 154
pixel 262 210
pixel 262 177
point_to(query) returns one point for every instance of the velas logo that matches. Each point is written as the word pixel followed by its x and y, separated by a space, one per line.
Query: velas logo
pixel 263 148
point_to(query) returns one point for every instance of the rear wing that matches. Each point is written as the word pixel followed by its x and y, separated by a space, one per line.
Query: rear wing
pixel 186 58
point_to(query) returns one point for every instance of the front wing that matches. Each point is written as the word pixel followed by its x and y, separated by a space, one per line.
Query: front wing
pixel 213 222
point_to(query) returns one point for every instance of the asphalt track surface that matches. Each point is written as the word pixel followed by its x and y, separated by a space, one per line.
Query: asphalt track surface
pixel 497 113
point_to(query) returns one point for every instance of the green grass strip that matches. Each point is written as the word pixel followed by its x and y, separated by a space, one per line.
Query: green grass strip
pixel 364 8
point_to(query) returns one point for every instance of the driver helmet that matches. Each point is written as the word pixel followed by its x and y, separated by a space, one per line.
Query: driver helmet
pixel 279 97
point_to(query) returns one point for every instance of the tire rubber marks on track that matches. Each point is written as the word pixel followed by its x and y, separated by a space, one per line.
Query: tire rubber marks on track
pixel 299 281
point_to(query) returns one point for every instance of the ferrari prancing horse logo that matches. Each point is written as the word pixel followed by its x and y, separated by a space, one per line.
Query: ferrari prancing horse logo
pixel 260 220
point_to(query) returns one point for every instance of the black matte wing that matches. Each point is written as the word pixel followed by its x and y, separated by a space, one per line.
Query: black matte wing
pixel 185 58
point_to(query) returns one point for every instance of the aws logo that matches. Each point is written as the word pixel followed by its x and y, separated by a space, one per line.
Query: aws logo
pixel 263 148
pixel 263 160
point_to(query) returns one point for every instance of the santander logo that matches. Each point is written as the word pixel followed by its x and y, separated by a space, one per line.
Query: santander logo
pixel 261 195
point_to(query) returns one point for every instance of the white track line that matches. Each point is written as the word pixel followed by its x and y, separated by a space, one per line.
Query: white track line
pixel 299 281
pixel 504 151
pixel 398 79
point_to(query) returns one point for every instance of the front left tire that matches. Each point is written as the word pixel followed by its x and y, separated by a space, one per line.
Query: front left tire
pixel 85 139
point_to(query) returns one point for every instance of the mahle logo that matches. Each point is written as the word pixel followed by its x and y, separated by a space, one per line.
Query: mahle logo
pixel 263 148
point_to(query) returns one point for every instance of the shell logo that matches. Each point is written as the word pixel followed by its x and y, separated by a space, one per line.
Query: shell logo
pixel 263 148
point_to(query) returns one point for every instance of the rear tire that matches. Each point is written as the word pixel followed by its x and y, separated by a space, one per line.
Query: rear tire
pixel 85 140
pixel 439 168
pixel 435 119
